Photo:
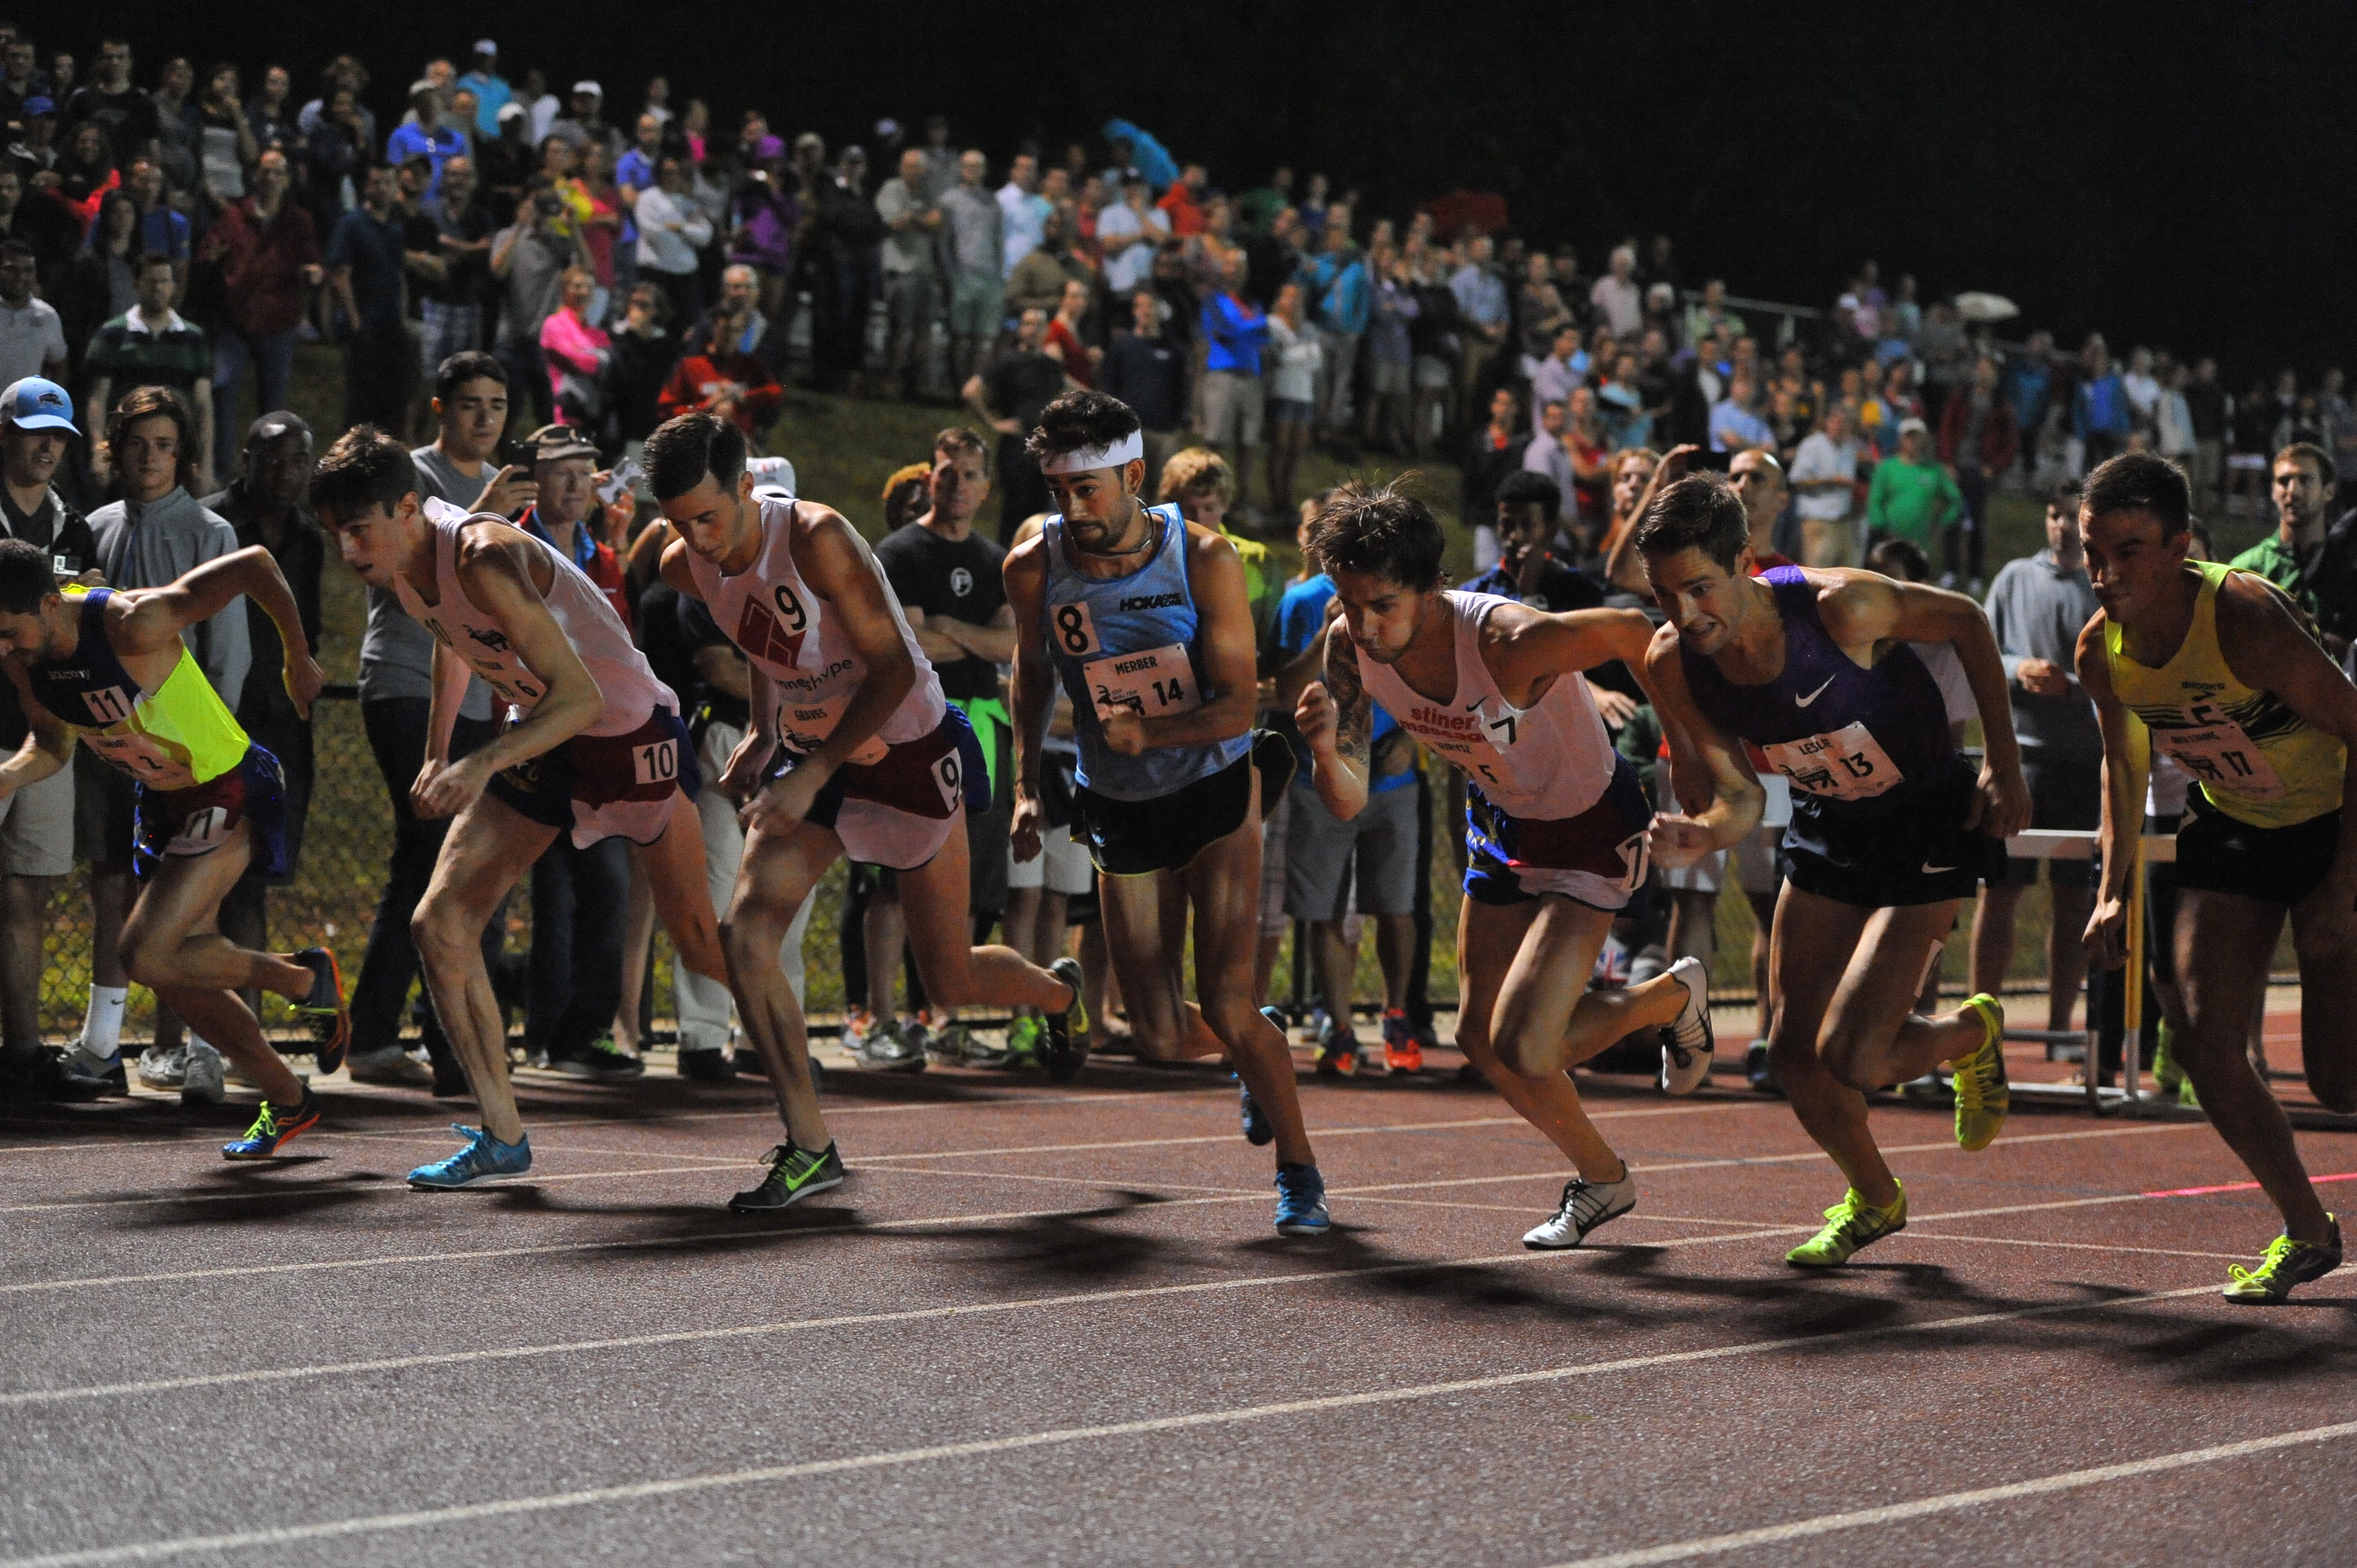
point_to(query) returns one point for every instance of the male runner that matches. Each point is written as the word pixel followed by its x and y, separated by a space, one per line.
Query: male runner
pixel 1556 819
pixel 2217 669
pixel 1891 831
pixel 593 747
pixel 1141 615
pixel 110 666
pixel 853 751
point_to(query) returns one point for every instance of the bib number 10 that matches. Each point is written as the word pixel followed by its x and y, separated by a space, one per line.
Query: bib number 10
pixel 657 763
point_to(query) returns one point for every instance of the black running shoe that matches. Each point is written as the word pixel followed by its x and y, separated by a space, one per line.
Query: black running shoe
pixel 794 1174
pixel 323 1012
pixel 1065 1046
pixel 707 1066
pixel 600 1061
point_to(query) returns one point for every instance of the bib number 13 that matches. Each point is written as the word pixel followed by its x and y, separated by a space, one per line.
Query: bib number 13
pixel 657 763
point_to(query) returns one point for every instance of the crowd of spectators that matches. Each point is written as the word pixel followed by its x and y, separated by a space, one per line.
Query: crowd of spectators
pixel 503 256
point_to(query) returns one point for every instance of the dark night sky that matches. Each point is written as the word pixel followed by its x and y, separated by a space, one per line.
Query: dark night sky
pixel 2171 174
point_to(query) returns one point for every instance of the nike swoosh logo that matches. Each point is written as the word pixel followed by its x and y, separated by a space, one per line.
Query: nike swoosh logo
pixel 1804 701
pixel 1931 870
pixel 1472 707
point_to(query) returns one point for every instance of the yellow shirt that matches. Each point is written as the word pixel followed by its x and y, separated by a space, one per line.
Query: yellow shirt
pixel 2255 759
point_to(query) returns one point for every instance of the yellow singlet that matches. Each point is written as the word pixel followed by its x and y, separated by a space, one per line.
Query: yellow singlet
pixel 2256 760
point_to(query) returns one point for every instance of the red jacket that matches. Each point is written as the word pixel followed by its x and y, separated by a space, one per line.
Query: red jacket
pixel 700 375
pixel 2001 440
pixel 262 265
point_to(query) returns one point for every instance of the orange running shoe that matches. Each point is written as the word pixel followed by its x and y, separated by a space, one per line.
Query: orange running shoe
pixel 1402 1051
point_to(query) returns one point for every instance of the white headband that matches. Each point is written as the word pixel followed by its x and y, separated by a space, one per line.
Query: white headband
pixel 1130 448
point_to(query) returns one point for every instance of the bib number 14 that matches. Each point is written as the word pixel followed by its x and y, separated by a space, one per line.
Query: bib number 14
pixel 1150 683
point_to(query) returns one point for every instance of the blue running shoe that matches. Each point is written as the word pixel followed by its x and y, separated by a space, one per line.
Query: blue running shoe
pixel 273 1128
pixel 1301 1201
pixel 484 1159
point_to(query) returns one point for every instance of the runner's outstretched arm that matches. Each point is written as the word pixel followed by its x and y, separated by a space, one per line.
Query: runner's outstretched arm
pixel 2127 762
pixel 153 618
pixel 1336 718
pixel 1737 800
pixel 49 745
pixel 1034 688
pixel 1865 608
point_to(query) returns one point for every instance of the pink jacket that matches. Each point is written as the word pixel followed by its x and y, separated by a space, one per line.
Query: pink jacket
pixel 572 345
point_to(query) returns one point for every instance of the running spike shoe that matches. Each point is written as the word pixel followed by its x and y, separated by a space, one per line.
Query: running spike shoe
pixel 272 1128
pixel 1850 1224
pixel 1064 1045
pixel 1983 1096
pixel 1586 1206
pixel 484 1158
pixel 795 1172
pixel 1687 1040
pixel 323 1012
pixel 1301 1201
pixel 2288 1263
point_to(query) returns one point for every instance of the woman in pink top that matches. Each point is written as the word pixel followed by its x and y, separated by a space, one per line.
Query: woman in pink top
pixel 576 350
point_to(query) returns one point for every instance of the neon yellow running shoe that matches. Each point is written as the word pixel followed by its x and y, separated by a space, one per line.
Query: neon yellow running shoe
pixel 1850 1224
pixel 2288 1263
pixel 1983 1096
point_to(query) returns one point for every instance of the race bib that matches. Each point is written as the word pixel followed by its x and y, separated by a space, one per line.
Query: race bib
pixel 1463 739
pixel 656 762
pixel 1151 682
pixel 1072 629
pixel 949 774
pixel 2217 751
pixel 141 759
pixel 1846 765
pixel 203 832
pixel 109 706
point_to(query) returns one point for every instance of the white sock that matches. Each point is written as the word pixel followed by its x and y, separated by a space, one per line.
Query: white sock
pixel 102 1026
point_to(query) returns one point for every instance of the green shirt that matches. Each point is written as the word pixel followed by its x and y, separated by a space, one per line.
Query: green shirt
pixel 2273 558
pixel 1913 501
pixel 126 353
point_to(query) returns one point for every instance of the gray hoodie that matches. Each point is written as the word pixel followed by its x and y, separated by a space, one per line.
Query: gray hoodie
pixel 2036 610
pixel 148 546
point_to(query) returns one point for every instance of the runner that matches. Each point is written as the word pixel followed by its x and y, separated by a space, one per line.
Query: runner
pixel 853 751
pixel 2218 670
pixel 1890 830
pixel 1555 822
pixel 111 667
pixel 1141 615
pixel 593 745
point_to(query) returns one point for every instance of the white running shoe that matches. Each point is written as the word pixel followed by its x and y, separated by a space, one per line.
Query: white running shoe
pixel 202 1079
pixel 1686 1044
pixel 160 1068
pixel 1586 1206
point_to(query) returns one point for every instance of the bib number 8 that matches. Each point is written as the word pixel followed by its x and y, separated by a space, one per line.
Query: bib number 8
pixel 1076 629
pixel 655 764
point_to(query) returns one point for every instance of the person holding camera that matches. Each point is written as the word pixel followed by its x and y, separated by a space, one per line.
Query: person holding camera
pixel 530 258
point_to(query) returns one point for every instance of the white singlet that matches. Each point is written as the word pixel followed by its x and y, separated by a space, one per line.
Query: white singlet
pixel 583 612
pixel 1553 760
pixel 783 627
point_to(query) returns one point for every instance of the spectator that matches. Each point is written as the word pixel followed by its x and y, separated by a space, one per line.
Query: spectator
pixel 37 821
pixel 2142 389
pixel 125 116
pixel 645 353
pixel 1144 370
pixel 1709 316
pixel 270 115
pixel 1129 234
pixel 1022 213
pixel 1484 313
pixel 2292 556
pixel 1545 454
pixel 1019 382
pixel 163 228
pixel 32 337
pixel 912 223
pixel 1039 279
pixel 1295 354
pixel 269 258
pixel 451 308
pixel 584 124
pixel 1825 488
pixel 366 267
pixel 977 255
pixel 1735 427
pixel 150 345
pixel 1182 204
pixel 531 258
pixel 155 534
pixel 672 234
pixel 726 371
pixel 1564 368
pixel 636 169
pixel 1341 301
pixel 490 88
pixel 1617 299
pixel 40 225
pixel 336 157
pixel 20 78
pixel 1526 516
pixel 576 351
pixel 1390 352
pixel 2037 608
pixel 1912 497
pixel 2205 403
pixel 1582 441
pixel 225 144
pixel 1234 405
pixel 1978 441
pixel 2100 411
pixel 2173 436
pixel 424 135
pixel 266 505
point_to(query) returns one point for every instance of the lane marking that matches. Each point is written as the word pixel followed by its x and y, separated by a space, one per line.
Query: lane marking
pixel 2044 1485
pixel 375 1524
pixel 2242 1187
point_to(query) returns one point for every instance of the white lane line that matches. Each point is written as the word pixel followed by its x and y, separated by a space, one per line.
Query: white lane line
pixel 2044 1485
pixel 377 1524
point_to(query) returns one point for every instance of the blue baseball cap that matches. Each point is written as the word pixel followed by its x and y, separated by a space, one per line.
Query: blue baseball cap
pixel 37 106
pixel 34 403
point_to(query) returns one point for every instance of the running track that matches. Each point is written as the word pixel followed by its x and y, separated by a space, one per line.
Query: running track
pixel 1042 1326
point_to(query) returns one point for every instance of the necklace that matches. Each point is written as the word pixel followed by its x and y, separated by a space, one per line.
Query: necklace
pixel 1153 537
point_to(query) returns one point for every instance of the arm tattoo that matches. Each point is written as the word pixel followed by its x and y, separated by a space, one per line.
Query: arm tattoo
pixel 1354 719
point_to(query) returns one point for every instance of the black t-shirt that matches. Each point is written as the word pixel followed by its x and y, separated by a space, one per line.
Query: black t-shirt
pixel 1021 383
pixel 128 118
pixel 465 275
pixel 960 580
pixel 672 626
pixel 59 530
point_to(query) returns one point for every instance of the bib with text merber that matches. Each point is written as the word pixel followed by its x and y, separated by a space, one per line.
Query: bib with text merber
pixel 2220 754
pixel 1149 682
pixel 1846 765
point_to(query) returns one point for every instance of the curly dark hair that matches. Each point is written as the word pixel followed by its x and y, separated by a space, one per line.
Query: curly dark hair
pixel 1079 419
pixel 1381 530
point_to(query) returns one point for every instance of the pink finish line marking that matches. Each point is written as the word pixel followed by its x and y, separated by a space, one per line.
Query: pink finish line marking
pixel 2240 1186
